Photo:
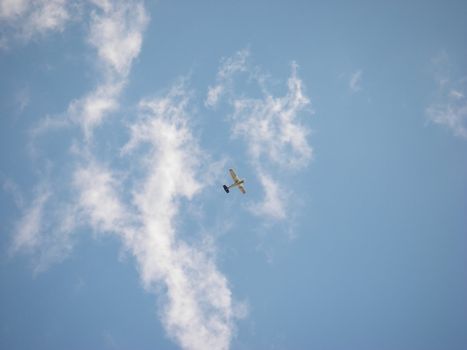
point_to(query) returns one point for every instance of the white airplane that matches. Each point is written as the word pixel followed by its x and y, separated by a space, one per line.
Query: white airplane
pixel 237 182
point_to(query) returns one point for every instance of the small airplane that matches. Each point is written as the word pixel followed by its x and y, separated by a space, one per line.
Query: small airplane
pixel 237 182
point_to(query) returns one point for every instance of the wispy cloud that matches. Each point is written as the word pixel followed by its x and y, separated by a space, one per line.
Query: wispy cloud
pixel 449 106
pixel 356 81
pixel 10 187
pixel 228 68
pixel 275 199
pixel 44 229
pixel 271 125
pixel 271 128
pixel 141 205
pixel 27 235
pixel 199 310
pixel 89 111
pixel 24 19
pixel 116 33
pixel 450 112
pixel 97 199
pixel 22 99
pixel 114 26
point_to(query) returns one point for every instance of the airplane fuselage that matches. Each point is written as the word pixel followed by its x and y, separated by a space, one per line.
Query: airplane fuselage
pixel 237 183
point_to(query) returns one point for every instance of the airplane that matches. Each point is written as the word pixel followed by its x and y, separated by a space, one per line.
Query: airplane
pixel 237 183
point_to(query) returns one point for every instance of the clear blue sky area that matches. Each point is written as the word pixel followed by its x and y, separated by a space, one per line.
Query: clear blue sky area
pixel 120 119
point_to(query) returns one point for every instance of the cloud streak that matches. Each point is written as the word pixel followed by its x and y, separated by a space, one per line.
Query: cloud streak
pixel 356 81
pixel 271 128
pixel 29 227
pixel 198 312
pixel 452 113
pixel 141 206
pixel 229 67
pixel 44 229
pixel 449 106
pixel 24 19
pixel 450 109
pixel 142 201
pixel 116 32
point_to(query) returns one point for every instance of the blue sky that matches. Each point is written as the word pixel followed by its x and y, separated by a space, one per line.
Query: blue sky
pixel 120 120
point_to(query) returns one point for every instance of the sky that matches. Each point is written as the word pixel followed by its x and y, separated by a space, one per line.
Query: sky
pixel 120 119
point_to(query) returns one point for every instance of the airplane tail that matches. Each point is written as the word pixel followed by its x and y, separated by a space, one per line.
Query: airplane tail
pixel 226 189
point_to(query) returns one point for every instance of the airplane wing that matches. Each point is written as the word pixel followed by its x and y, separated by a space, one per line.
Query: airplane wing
pixel 234 176
pixel 241 188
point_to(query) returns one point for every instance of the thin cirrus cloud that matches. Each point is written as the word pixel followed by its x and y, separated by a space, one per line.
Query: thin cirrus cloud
pixel 270 127
pixel 116 33
pixel 44 229
pixel 451 112
pixel 355 81
pixel 449 108
pixel 27 19
pixel 229 67
pixel 449 105
pixel 28 230
pixel 198 310
pixel 275 199
pixel 89 111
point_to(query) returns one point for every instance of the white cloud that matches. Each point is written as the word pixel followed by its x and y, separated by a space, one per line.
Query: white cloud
pixel 271 126
pixel 12 8
pixel 28 230
pixel 355 81
pixel 274 203
pixel 22 99
pixel 140 205
pixel 449 106
pixel 275 139
pixel 48 16
pixel 229 67
pixel 90 110
pixel 232 65
pixel 214 94
pixel 198 311
pixel 451 113
pixel 44 229
pixel 116 32
pixel 27 19
pixel 456 94
pixel 98 198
